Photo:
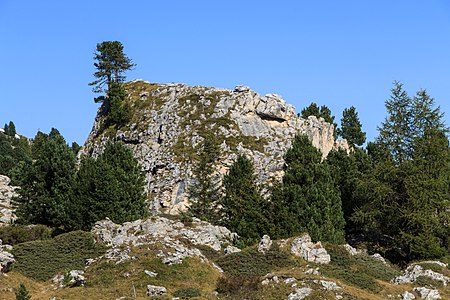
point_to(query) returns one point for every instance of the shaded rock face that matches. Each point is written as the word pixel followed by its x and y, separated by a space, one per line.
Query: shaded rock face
pixel 170 121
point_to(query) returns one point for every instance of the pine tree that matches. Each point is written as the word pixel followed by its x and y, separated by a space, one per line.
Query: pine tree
pixel 12 128
pixel 111 64
pixel 110 186
pixel 205 191
pixel 46 186
pixel 307 200
pixel 242 207
pixel 22 293
pixel 351 128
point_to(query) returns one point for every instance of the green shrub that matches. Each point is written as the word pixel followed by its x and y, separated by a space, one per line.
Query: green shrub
pixel 238 285
pixel 250 262
pixel 43 259
pixel 359 270
pixel 17 234
pixel 187 293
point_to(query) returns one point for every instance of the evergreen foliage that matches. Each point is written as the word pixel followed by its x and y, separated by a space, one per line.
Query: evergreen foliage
pixel 22 293
pixel 242 207
pixel 110 186
pixel 351 128
pixel 111 64
pixel 407 194
pixel 13 154
pixel 307 200
pixel 10 129
pixel 205 192
pixel 348 169
pixel 46 183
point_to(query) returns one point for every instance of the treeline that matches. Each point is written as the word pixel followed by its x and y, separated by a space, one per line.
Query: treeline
pixel 54 191
pixel 393 196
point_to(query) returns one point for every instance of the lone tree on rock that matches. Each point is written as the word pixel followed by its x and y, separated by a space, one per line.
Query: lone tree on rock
pixel 351 127
pixel 111 64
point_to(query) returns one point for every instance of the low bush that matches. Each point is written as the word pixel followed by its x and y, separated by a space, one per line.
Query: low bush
pixel 43 259
pixel 359 270
pixel 238 285
pixel 250 262
pixel 187 293
pixel 16 234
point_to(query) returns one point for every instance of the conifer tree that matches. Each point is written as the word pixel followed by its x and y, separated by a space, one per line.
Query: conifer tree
pixel 307 199
pixel 11 128
pixel 22 293
pixel 110 186
pixel 351 128
pixel 205 191
pixel 242 207
pixel 46 186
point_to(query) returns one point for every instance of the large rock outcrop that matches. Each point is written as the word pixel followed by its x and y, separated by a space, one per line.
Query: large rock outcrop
pixel 7 192
pixel 170 121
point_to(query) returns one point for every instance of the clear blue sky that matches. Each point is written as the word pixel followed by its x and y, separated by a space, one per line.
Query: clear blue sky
pixel 337 53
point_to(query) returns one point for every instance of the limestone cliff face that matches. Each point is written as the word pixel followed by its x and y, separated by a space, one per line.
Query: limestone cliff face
pixel 7 192
pixel 170 120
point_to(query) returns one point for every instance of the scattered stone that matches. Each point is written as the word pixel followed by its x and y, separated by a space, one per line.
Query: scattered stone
pixel 352 251
pixel 328 285
pixel 414 271
pixel 312 271
pixel 150 273
pixel 300 294
pixel 231 249
pixel 408 296
pixel 154 290
pixel 314 252
pixel 380 258
pixel 75 278
pixel 428 294
pixel 265 244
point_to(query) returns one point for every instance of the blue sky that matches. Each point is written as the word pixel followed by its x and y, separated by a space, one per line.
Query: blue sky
pixel 335 53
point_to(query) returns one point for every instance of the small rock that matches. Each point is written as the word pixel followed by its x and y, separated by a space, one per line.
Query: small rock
pixel 303 247
pixel 231 249
pixel 300 294
pixel 150 273
pixel 378 257
pixel 313 271
pixel 241 88
pixel 328 285
pixel 408 296
pixel 428 294
pixel 154 290
pixel 264 244
pixel 352 251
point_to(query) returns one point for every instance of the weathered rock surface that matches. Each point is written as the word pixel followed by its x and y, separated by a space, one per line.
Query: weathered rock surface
pixel 414 271
pixel 264 244
pixel 170 120
pixel 6 258
pixel 7 192
pixel 167 233
pixel 300 293
pixel 408 296
pixel 428 294
pixel 154 290
pixel 314 252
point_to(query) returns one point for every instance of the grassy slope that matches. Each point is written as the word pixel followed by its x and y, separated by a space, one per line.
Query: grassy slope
pixel 361 277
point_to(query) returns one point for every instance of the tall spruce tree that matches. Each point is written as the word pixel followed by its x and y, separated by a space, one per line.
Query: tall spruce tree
pixel 205 191
pixel 351 128
pixel 110 186
pixel 307 199
pixel 242 207
pixel 46 185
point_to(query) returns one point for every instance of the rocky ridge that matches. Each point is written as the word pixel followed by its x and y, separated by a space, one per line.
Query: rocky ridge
pixel 170 121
